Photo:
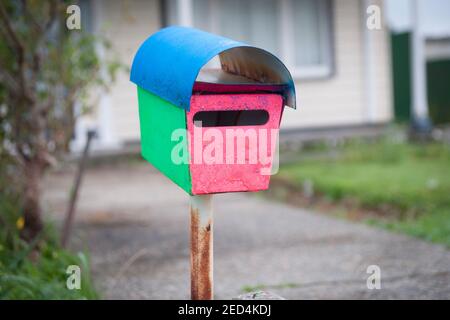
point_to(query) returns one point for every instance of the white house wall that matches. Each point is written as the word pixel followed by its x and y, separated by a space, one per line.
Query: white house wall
pixel 333 101
pixel 126 24
pixel 340 99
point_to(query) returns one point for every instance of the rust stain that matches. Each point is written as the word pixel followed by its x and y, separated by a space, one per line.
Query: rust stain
pixel 201 258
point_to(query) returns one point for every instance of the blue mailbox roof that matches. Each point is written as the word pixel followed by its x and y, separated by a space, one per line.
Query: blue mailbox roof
pixel 168 62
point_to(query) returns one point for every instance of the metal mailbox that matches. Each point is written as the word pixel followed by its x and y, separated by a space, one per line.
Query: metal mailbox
pixel 202 127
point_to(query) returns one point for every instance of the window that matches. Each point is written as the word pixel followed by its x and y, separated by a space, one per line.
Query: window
pixel 297 31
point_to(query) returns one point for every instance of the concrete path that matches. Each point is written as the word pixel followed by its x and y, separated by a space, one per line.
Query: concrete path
pixel 135 224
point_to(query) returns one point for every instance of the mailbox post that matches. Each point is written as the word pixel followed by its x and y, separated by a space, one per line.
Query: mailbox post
pixel 201 247
pixel 209 130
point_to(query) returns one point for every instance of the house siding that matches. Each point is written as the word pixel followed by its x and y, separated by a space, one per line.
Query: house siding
pixel 340 98
pixel 336 100
pixel 126 24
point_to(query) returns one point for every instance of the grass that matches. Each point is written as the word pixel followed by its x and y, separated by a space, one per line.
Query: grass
pixel 406 186
pixel 27 273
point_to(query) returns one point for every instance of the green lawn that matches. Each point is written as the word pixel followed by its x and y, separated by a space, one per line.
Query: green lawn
pixel 407 185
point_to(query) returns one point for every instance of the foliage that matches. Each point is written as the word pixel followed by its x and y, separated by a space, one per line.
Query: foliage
pixel 27 275
pixel 48 75
pixel 407 184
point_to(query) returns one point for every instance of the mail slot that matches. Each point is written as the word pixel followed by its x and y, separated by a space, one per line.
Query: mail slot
pixel 210 130
pixel 230 118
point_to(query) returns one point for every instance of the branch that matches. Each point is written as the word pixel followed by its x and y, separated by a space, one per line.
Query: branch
pixel 9 29
pixel 30 17
pixel 52 14
pixel 8 41
pixel 9 81
pixel 23 156
pixel 37 56
pixel 19 48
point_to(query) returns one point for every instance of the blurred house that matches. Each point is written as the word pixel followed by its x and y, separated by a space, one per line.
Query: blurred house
pixel 341 68
pixel 432 28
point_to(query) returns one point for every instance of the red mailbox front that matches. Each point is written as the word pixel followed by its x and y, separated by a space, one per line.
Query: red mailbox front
pixel 233 132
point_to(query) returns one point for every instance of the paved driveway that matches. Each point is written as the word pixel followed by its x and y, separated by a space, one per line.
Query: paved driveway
pixel 135 224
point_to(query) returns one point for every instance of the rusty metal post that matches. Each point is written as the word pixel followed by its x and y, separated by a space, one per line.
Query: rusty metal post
pixel 68 222
pixel 201 247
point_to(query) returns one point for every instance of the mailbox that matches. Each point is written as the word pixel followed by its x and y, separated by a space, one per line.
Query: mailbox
pixel 209 130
